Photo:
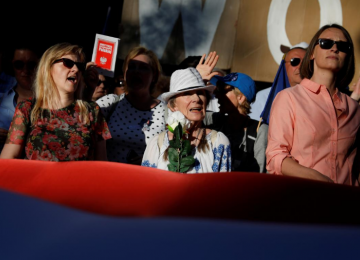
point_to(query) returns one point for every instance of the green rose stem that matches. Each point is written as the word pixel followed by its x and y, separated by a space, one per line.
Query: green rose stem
pixel 180 156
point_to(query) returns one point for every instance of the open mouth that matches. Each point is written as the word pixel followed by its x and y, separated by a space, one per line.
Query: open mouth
pixel 72 79
pixel 196 109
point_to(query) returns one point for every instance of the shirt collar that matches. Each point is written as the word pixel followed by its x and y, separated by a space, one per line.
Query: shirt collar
pixel 315 87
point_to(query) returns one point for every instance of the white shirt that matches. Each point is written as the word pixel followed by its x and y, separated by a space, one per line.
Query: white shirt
pixel 258 106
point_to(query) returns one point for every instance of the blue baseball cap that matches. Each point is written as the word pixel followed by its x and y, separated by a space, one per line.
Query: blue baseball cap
pixel 240 81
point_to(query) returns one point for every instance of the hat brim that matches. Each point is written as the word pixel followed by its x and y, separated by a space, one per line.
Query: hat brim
pixel 216 78
pixel 167 95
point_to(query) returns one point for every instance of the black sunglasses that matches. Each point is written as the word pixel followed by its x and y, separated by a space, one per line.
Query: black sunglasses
pixel 294 61
pixel 327 44
pixel 101 81
pixel 70 63
pixel 20 65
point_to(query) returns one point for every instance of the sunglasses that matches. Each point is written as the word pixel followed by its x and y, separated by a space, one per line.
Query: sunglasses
pixel 294 61
pixel 327 44
pixel 101 81
pixel 20 65
pixel 70 63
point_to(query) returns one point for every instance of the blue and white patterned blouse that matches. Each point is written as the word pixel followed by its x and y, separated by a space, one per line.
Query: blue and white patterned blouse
pixel 217 159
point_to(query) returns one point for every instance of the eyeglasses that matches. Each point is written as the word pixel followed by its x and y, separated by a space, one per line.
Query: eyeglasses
pixel 20 65
pixel 70 63
pixel 294 61
pixel 101 81
pixel 327 44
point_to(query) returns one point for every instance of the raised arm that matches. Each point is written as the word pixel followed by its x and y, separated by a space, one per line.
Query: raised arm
pixel 206 67
pixel 356 91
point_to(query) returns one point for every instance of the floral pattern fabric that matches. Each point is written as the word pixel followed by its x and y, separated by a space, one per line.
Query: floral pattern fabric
pixel 59 135
pixel 217 159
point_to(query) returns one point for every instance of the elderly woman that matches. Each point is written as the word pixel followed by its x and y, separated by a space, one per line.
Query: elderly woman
pixel 58 125
pixel 314 127
pixel 210 149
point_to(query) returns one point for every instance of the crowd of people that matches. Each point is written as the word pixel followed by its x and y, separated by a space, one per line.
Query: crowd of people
pixel 56 106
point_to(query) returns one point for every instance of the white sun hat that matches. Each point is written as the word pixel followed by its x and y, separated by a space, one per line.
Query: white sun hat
pixel 185 80
pixel 301 45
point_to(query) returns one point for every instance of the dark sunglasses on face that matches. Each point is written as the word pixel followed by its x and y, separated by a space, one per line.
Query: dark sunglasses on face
pixel 294 61
pixel 327 44
pixel 70 63
pixel 20 65
pixel 101 81
pixel 139 66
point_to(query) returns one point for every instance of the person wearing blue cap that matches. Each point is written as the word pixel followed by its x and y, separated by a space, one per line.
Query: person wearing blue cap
pixel 235 92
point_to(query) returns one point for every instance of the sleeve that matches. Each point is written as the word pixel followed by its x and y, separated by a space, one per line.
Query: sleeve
pixel 222 154
pixel 20 123
pixel 105 103
pixel 260 147
pixel 152 153
pixel 280 133
pixel 101 128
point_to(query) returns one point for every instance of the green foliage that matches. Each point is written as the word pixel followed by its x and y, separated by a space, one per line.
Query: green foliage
pixel 180 156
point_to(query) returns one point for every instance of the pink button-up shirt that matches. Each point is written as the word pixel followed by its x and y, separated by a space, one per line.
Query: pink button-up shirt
pixel 305 126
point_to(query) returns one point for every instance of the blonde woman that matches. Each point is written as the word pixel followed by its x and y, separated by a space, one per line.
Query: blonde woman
pixel 58 125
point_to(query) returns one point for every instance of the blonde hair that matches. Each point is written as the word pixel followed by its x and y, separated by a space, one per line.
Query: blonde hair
pixel 154 63
pixel 46 92
pixel 245 106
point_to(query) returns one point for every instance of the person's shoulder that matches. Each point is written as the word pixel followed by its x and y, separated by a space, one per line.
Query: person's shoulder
pixel 262 94
pixel 160 105
pixel 264 91
pixel 108 99
pixel 7 82
pixel 27 102
pixel 26 105
pixel 221 138
pixel 93 105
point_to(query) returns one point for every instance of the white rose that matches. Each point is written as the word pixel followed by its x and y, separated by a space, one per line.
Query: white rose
pixel 177 117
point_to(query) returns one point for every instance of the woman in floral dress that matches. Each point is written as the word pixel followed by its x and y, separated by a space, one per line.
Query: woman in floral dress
pixel 58 125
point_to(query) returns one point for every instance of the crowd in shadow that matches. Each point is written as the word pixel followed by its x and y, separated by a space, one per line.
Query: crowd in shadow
pixel 55 105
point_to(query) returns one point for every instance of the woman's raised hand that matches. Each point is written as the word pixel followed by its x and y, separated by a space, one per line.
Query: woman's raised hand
pixel 356 91
pixel 205 68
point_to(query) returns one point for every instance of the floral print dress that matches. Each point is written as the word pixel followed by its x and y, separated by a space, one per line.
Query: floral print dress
pixel 59 135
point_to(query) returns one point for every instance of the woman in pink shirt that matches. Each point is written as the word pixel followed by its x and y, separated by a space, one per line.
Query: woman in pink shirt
pixel 314 128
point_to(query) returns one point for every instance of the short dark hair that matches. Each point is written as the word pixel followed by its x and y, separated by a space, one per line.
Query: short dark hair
pixel 346 74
